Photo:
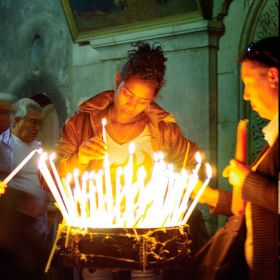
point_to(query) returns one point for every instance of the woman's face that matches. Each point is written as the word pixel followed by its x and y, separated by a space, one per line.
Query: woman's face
pixel 132 97
pixel 257 89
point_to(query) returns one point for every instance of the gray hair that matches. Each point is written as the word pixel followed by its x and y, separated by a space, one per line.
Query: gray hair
pixel 22 106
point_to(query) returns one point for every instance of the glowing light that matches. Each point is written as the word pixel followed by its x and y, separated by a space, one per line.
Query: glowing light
pixel 20 166
pixel 104 122
pixel 128 202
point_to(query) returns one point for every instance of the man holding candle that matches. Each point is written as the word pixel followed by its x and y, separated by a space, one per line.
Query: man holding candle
pixel 258 183
pixel 23 216
pixel 131 115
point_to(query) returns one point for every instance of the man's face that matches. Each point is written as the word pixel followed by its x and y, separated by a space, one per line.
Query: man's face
pixel 257 89
pixel 27 128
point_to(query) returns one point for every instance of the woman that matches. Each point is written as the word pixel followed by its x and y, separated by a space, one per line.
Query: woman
pixel 132 115
pixel 259 182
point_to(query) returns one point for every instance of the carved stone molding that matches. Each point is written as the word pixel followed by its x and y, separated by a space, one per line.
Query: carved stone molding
pixel 268 23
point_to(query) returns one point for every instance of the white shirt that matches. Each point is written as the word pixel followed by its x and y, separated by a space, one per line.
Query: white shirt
pixel 271 131
pixel 27 178
pixel 119 153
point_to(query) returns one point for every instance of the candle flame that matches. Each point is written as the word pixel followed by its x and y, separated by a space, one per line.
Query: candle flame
pixel 208 170
pixel 131 147
pixel 198 157
pixel 95 200
pixel 104 122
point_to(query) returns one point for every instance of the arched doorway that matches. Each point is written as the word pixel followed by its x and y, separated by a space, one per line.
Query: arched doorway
pixel 50 132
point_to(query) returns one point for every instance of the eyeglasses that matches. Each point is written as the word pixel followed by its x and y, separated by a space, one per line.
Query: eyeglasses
pixel 34 122
pixel 254 52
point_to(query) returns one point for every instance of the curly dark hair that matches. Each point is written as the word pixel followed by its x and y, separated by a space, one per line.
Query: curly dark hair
pixel 147 63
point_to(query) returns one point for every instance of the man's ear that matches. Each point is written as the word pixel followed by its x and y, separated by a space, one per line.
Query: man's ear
pixel 16 121
pixel 273 75
pixel 117 81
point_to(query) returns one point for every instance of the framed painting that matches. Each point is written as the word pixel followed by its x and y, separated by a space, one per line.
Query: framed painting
pixel 90 18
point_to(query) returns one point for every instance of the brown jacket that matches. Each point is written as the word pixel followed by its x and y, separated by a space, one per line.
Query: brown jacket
pixel 166 135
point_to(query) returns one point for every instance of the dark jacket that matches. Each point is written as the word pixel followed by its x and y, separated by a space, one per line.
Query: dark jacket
pixel 261 190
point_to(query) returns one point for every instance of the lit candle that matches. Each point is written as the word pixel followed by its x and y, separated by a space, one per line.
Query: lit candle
pixel 70 196
pixel 198 160
pixel 241 141
pixel 128 175
pixel 198 195
pixel 104 122
pixel 238 204
pixel 119 173
pixel 180 198
pixel 49 180
pixel 84 195
pixel 161 202
pixel 59 183
pixel 99 188
pixel 130 162
pixel 92 191
pixel 108 183
pixel 17 169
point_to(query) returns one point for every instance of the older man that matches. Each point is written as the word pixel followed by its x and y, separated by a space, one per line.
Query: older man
pixel 23 215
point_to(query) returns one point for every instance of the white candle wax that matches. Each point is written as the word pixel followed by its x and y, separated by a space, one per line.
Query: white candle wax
pixel 20 166
pixel 104 122
pixel 200 192
pixel 49 180
pixel 59 183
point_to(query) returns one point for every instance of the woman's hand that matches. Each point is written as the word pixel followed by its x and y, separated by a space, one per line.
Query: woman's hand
pixel 236 172
pixel 93 149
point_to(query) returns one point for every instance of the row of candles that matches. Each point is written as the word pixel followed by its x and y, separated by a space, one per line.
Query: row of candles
pixel 93 200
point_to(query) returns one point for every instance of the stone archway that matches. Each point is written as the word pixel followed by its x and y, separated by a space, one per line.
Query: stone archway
pixel 43 89
pixel 50 132
pixel 262 21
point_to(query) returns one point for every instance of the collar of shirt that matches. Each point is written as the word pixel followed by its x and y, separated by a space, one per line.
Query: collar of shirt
pixel 271 130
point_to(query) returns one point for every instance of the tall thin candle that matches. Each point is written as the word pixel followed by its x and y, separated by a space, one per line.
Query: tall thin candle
pixel 238 205
pixel 104 122
pixel 198 195
pixel 20 166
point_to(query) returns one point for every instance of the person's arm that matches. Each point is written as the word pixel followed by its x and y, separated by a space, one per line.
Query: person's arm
pixel 255 187
pixel 180 150
pixel 78 146
pixel 67 147
pixel 261 190
pixel 219 201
